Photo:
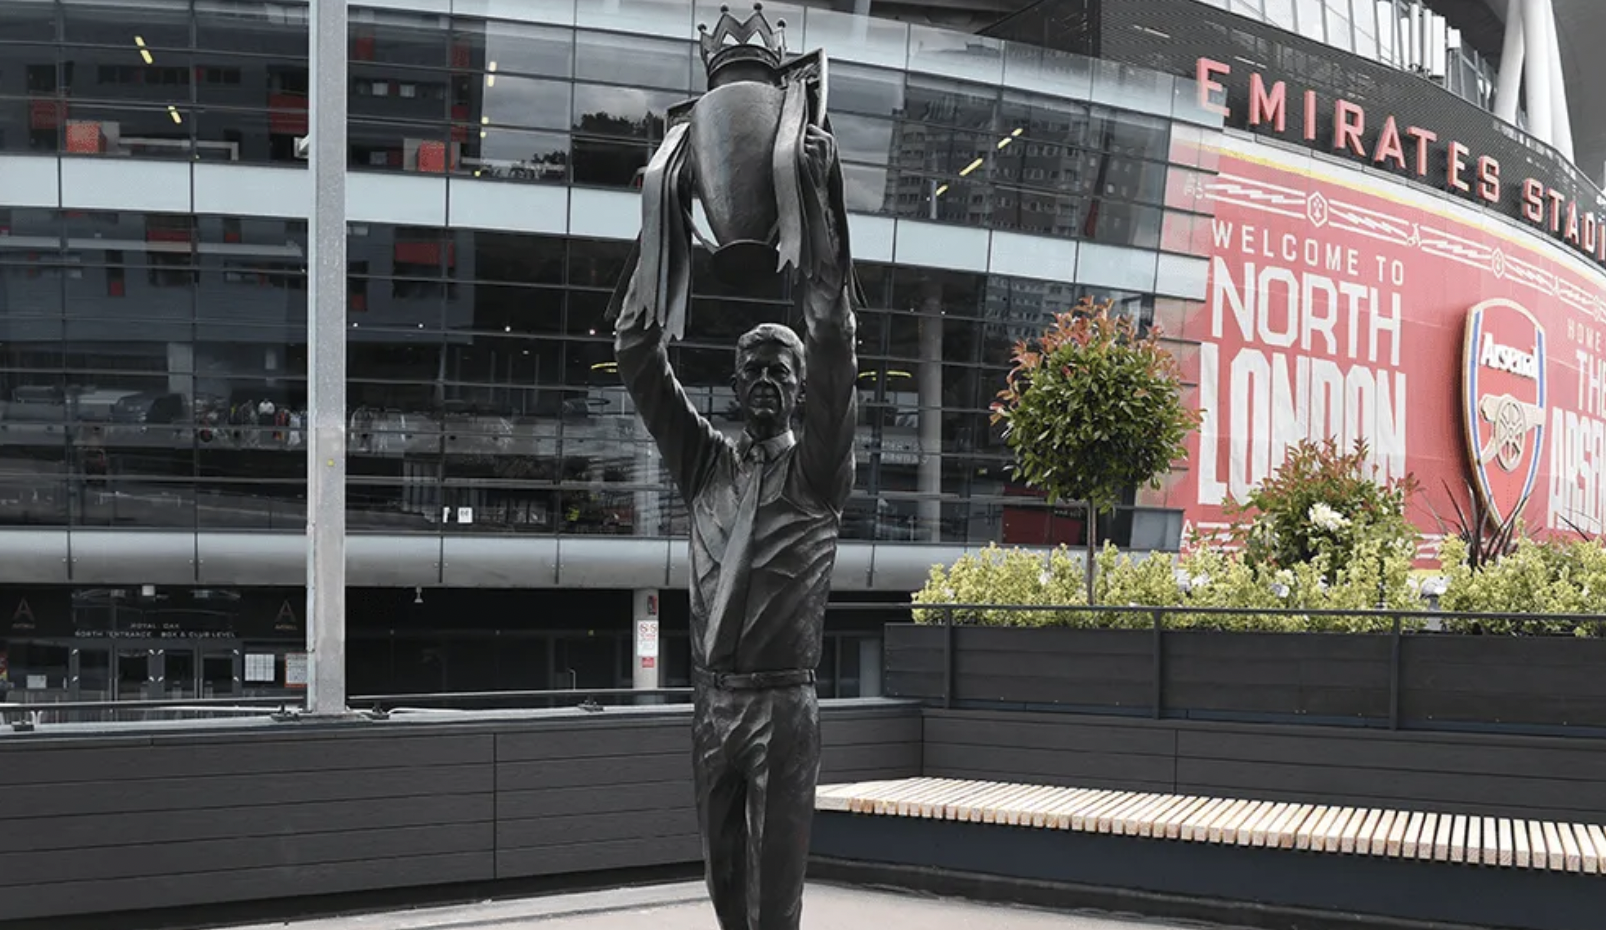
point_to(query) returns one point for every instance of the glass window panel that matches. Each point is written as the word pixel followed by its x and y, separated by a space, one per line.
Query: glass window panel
pixel 1339 33
pixel 259 27
pixel 505 360
pixel 247 441
pixel 949 199
pixel 32 125
pixel 704 283
pixel 1312 19
pixel 382 92
pixel 251 505
pixel 250 136
pixel 518 48
pixel 412 505
pixel 142 132
pixel 872 91
pixel 952 103
pixel 634 61
pixel 401 355
pixel 398 147
pixel 864 138
pixel 127 23
pixel 623 112
pixel 27 21
pixel 507 309
pixel 944 152
pixel 609 162
pixel 398 37
pixel 492 153
pixel 867 189
pixel 100 500
pixel 1131 179
pixel 1119 223
pixel 515 258
pixel 596 262
pixel 723 321
pixel 1045 118
pixel 527 102
pixel 248 291
pixel 93 74
pixel 1280 13
pixel 1129 133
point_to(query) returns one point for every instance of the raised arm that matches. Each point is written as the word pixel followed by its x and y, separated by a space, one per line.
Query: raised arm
pixel 685 438
pixel 830 413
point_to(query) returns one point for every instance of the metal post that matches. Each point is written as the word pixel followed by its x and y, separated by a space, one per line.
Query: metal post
pixel 1394 678
pixel 326 361
pixel 1159 665
pixel 948 659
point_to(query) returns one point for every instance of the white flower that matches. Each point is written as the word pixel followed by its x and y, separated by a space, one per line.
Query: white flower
pixel 1285 577
pixel 1199 581
pixel 1044 578
pixel 948 594
pixel 1280 589
pixel 1325 517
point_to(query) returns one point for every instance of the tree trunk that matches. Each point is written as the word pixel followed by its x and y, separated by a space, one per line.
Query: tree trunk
pixel 1092 548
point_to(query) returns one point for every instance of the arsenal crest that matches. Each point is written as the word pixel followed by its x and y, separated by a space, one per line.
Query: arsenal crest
pixel 1503 403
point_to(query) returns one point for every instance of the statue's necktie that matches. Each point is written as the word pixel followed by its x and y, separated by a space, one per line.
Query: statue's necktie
pixel 735 569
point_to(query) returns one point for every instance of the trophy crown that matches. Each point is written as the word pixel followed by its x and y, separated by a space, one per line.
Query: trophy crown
pixel 732 40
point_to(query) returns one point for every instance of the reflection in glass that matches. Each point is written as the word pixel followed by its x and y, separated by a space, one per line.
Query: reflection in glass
pixel 633 61
pixel 515 48
pixel 150 24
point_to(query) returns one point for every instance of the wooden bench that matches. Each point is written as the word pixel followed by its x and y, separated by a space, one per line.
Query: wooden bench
pixel 1492 841
pixel 1229 860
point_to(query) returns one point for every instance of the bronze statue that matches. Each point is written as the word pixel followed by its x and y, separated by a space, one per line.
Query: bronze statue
pixel 766 508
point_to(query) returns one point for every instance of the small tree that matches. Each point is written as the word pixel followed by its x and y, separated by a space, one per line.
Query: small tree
pixel 1092 409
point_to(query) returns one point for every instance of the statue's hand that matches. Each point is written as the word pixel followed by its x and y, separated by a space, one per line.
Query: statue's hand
pixel 820 151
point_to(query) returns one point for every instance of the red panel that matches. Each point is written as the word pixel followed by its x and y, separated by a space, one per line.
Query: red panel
pixel 85 138
pixel 432 157
pixel 1339 306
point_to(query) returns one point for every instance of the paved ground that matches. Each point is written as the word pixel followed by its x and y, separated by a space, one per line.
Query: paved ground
pixel 684 906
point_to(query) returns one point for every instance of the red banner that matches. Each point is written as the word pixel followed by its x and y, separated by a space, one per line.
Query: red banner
pixel 1461 348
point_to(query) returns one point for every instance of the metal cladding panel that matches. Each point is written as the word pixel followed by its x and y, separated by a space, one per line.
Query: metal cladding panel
pixel 33 556
pixel 119 556
pixel 613 563
pixel 250 558
pixel 906 568
pixel 496 562
pixel 388 561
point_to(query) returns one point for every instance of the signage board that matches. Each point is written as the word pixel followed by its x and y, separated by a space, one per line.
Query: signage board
pixel 1346 305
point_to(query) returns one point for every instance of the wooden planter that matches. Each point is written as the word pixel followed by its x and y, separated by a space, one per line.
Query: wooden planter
pixel 1424 680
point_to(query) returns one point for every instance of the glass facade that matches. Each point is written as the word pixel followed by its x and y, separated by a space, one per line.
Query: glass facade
pixel 153 365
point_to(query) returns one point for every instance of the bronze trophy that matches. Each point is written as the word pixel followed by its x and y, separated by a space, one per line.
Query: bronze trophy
pixel 740 148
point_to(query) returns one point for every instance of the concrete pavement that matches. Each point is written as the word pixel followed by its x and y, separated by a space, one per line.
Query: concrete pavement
pixel 684 906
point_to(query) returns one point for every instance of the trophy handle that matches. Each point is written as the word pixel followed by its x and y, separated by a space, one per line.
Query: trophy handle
pixel 811 68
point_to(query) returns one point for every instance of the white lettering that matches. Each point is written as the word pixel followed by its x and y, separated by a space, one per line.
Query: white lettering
pixel 1505 358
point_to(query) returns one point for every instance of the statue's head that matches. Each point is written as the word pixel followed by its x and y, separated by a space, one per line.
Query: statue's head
pixel 768 378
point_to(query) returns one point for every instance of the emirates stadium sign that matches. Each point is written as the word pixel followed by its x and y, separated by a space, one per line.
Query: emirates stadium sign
pixel 1380 139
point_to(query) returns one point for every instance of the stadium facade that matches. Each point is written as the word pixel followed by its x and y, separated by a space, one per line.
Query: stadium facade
pixel 1324 224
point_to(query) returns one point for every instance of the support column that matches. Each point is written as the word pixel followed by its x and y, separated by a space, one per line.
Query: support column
pixel 326 364
pixel 647 668
pixel 1509 93
pixel 1536 72
pixel 930 393
pixel 1561 117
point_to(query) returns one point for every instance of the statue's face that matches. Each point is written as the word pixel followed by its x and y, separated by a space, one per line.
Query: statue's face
pixel 767 383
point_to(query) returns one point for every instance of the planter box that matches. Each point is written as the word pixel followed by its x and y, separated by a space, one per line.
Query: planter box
pixel 1552 681
pixel 1089 669
pixel 1549 683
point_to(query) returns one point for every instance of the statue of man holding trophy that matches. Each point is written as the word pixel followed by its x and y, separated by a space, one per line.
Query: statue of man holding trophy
pixel 766 507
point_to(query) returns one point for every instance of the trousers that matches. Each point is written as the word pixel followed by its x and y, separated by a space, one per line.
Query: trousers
pixel 756 761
